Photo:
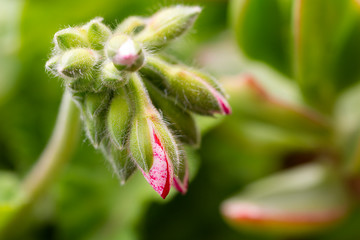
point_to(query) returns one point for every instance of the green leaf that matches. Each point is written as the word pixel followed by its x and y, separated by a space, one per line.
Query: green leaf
pixel 262 31
pixel 299 201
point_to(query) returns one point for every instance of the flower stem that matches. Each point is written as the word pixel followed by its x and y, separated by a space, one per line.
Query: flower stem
pixel 57 152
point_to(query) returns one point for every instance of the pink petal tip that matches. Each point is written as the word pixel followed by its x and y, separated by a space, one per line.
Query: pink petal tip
pixel 161 174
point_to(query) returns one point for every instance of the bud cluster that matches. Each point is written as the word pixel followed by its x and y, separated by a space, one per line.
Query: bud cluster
pixel 136 106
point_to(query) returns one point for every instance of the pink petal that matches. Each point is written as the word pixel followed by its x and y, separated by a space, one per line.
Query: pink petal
pixel 160 174
pixel 181 186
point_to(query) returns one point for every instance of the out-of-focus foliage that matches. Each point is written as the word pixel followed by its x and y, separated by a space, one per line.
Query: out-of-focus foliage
pixel 87 202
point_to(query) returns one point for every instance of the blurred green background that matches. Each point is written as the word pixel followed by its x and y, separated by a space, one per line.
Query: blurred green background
pixel 86 201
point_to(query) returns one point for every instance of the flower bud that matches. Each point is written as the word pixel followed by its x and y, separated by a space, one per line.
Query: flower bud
pixel 71 38
pixel 94 114
pixel 152 146
pixel 77 62
pixel 168 24
pixel 125 53
pixel 131 25
pixel 118 118
pixel 51 64
pixel 111 77
pixel 181 122
pixel 119 160
pixel 98 33
pixel 196 91
pixel 181 177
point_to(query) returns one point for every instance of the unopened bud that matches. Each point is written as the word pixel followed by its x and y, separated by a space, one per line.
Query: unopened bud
pixel 152 145
pixel 125 53
pixel 181 121
pixel 119 160
pixel 118 119
pixel 77 62
pixel 168 24
pixel 98 33
pixel 131 25
pixel 181 177
pixel 51 64
pixel 94 114
pixel 71 38
pixel 111 77
pixel 196 91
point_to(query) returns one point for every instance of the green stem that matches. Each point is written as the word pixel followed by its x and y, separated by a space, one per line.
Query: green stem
pixel 57 152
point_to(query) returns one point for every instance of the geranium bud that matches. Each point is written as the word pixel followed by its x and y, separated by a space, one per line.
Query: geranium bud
pixel 77 62
pixel 111 77
pixel 195 90
pixel 181 177
pixel 125 53
pixel 131 25
pixel 152 146
pixel 51 64
pixel 98 33
pixel 119 160
pixel 71 38
pixel 168 24
pixel 94 113
pixel 182 122
pixel 118 118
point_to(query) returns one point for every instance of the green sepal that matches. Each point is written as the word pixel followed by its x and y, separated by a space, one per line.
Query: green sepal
pixel 118 118
pixel 94 114
pixel 119 160
pixel 131 25
pixel 168 24
pixel 77 62
pixel 97 33
pixel 51 64
pixel 71 38
pixel 140 141
pixel 111 77
pixel 181 121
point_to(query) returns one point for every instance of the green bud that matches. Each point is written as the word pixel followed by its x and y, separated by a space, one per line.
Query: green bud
pixel 120 161
pixel 131 25
pixel 77 62
pixel 94 113
pixel 181 121
pixel 118 118
pixel 111 77
pixel 70 38
pixel 194 90
pixel 125 53
pixel 168 24
pixel 51 64
pixel 146 125
pixel 98 33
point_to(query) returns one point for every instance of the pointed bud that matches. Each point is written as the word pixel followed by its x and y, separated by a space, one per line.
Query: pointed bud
pixel 168 24
pixel 111 77
pixel 94 113
pixel 51 64
pixel 120 161
pixel 77 62
pixel 125 53
pixel 181 177
pixel 152 146
pixel 181 121
pixel 98 33
pixel 71 38
pixel 131 25
pixel 196 91
pixel 118 118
